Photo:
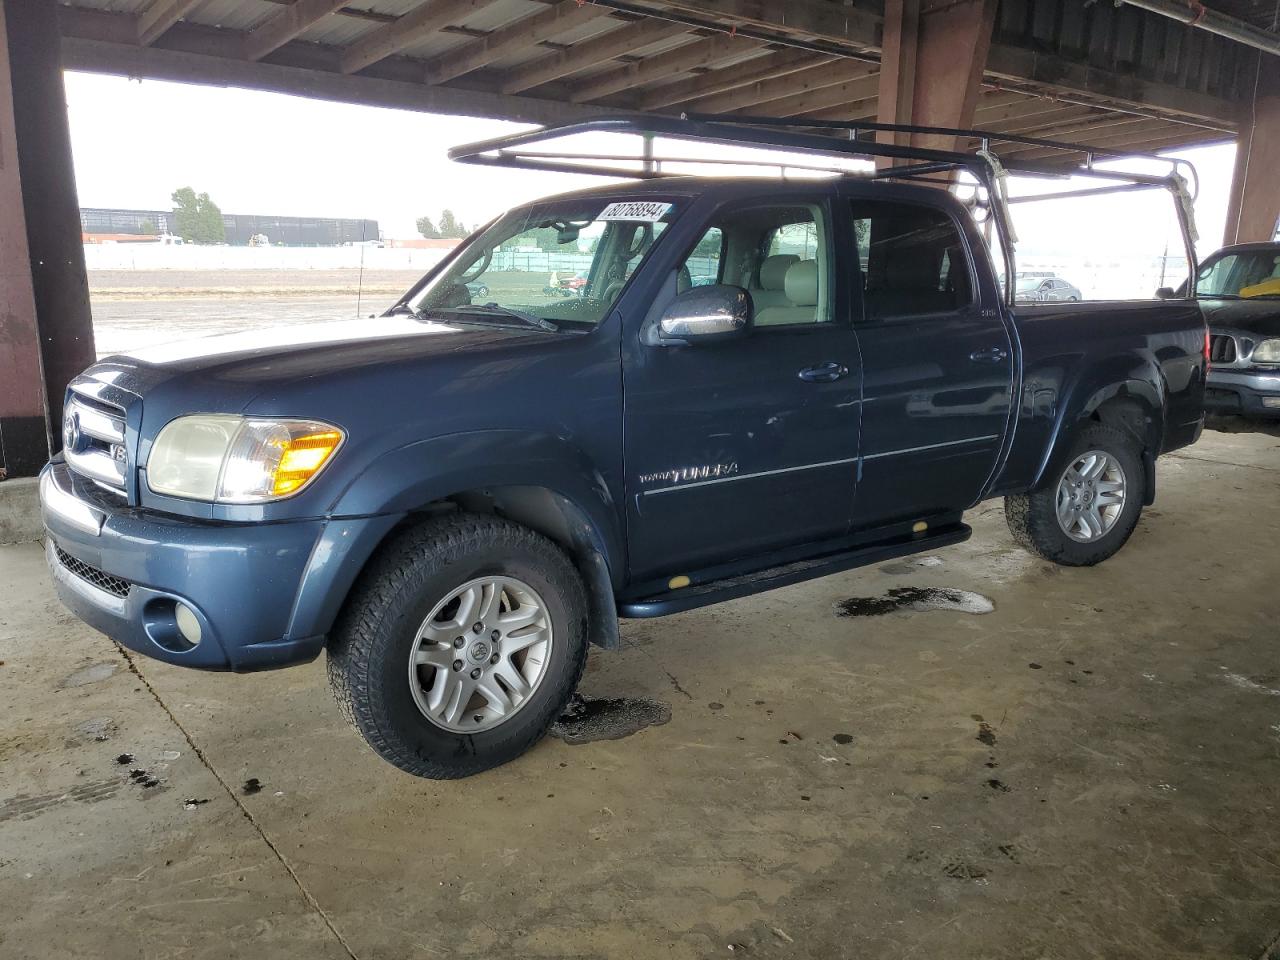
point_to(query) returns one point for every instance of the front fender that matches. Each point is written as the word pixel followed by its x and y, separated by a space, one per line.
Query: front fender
pixel 410 477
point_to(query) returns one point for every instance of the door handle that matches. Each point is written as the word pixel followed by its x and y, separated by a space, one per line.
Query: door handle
pixel 989 355
pixel 824 372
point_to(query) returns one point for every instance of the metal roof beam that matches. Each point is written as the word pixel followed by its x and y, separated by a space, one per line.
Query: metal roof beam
pixel 544 25
pixel 286 25
pixel 587 53
pixel 413 26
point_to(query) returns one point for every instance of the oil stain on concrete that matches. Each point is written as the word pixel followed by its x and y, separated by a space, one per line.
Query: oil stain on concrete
pixel 586 720
pixel 917 600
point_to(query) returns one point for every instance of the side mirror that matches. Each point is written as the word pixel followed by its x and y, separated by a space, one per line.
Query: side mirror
pixel 1166 293
pixel 707 314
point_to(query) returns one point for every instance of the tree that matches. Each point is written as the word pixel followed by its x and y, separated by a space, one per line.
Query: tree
pixel 196 218
pixel 450 227
pixel 147 228
pixel 427 228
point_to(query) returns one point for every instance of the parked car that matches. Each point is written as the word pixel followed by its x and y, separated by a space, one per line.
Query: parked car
pixel 1239 289
pixel 1038 289
pixel 477 289
pixel 454 502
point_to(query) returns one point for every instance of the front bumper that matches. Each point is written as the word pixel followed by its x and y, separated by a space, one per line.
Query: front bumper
pixel 1246 393
pixel 264 594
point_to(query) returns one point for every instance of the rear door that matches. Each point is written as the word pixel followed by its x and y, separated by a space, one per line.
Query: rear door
pixel 738 447
pixel 937 360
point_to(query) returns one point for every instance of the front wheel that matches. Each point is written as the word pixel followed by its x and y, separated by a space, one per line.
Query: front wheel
pixel 460 646
pixel 1091 504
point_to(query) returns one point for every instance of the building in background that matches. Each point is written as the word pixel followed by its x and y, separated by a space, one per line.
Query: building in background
pixel 100 224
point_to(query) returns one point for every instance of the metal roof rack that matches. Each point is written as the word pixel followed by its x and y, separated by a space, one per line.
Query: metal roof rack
pixel 851 140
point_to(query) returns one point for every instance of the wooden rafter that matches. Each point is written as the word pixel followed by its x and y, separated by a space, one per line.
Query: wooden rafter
pixel 588 53
pixel 390 39
pixel 816 74
pixel 544 25
pixel 705 53
pixel 772 69
pixel 286 25
pixel 156 19
pixel 826 97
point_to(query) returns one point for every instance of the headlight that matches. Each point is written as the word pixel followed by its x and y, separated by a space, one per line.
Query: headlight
pixel 1268 351
pixel 232 459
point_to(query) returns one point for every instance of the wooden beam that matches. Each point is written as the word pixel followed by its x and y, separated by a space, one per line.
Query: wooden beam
pixel 1065 114
pixel 587 53
pixel 665 67
pixel 286 25
pixel 154 21
pixel 1052 73
pixel 837 23
pixel 426 18
pixel 195 54
pixel 725 88
pixel 1132 133
pixel 544 25
pixel 987 114
pixel 814 76
pixel 846 94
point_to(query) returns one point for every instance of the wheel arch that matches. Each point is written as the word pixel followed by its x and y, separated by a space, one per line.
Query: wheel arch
pixel 537 480
pixel 1133 406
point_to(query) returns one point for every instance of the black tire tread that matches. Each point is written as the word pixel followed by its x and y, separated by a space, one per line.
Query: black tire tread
pixel 359 630
pixel 1032 517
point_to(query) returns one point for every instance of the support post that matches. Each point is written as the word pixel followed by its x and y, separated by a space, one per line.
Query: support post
pixel 1253 210
pixel 46 333
pixel 931 64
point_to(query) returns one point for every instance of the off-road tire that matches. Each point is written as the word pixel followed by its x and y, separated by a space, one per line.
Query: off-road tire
pixel 370 645
pixel 1033 519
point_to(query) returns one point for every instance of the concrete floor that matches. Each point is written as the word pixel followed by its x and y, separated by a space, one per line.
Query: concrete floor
pixel 1089 771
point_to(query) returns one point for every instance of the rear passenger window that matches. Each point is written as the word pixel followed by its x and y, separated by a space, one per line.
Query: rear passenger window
pixel 778 253
pixel 912 260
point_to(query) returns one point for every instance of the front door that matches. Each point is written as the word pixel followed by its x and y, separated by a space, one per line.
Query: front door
pixel 937 361
pixel 736 448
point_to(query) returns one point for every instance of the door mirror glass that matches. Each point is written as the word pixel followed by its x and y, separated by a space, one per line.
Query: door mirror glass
pixel 1166 293
pixel 706 314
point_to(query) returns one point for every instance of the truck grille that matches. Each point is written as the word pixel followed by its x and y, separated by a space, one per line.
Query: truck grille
pixel 92 575
pixel 93 441
pixel 1222 348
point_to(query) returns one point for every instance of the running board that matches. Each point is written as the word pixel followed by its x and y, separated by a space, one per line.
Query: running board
pixel 731 588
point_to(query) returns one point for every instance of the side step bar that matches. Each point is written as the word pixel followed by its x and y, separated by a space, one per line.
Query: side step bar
pixel 731 588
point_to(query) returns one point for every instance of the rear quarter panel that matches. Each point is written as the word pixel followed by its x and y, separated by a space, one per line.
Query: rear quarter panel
pixel 1077 356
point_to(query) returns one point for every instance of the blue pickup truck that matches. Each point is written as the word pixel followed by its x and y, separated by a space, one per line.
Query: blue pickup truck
pixel 454 499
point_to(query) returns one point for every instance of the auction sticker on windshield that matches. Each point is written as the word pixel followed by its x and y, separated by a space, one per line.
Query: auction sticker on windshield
pixel 647 211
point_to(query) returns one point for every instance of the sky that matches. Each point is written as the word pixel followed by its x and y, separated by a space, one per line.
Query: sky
pixel 135 142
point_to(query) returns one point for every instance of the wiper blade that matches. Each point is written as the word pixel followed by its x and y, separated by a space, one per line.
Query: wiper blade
pixel 493 310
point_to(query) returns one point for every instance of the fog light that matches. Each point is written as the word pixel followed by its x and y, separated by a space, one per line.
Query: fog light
pixel 1272 402
pixel 188 624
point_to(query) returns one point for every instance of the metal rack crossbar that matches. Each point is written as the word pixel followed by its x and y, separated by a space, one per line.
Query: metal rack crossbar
pixel 857 141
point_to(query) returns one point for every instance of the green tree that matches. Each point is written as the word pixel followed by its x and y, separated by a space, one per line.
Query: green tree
pixel 449 225
pixel 196 218
pixel 147 228
pixel 428 229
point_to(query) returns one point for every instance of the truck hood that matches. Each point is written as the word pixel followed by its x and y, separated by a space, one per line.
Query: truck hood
pixel 313 366
pixel 1260 317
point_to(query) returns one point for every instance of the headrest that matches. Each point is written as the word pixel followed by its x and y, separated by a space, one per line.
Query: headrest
pixel 802 283
pixel 773 270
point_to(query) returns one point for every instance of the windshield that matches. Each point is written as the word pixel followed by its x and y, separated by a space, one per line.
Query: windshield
pixel 1250 273
pixel 563 262
pixel 1027 284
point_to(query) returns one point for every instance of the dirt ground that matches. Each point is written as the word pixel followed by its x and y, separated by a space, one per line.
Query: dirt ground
pixel 1087 771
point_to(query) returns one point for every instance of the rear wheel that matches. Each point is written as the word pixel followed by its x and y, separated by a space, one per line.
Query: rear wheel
pixel 1091 504
pixel 460 646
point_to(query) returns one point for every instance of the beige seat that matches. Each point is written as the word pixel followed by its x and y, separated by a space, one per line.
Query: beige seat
pixel 773 278
pixel 801 305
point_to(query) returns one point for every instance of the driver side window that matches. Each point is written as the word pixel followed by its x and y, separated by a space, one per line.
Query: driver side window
pixel 778 253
